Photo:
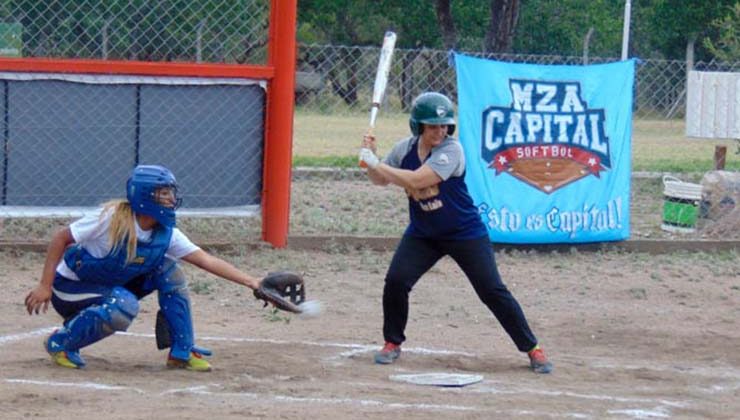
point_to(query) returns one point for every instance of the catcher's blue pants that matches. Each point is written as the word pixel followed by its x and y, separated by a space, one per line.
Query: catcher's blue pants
pixel 415 256
pixel 71 298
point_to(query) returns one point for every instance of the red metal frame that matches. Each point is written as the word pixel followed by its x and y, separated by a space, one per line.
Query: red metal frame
pixel 279 127
pixel 280 75
pixel 146 68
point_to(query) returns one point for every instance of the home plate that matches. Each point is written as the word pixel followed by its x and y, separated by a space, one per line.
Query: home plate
pixel 438 379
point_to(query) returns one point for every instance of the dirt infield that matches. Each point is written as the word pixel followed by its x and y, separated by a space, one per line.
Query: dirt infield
pixel 631 336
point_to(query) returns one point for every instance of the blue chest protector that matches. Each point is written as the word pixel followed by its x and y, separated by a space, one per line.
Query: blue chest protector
pixel 112 270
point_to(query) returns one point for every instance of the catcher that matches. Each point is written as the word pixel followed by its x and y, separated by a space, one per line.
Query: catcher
pixel 99 267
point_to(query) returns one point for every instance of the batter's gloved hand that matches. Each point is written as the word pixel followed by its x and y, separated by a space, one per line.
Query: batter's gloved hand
pixel 282 289
pixel 367 156
pixel 368 142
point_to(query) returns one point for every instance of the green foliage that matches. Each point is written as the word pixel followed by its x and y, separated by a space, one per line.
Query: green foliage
pixel 326 161
pixel 560 27
pixel 345 22
pixel 235 30
pixel 659 28
pixel 666 26
pixel 363 22
pixel 727 45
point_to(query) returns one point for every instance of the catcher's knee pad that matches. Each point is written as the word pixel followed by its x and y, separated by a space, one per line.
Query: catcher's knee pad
pixel 122 307
pixel 97 322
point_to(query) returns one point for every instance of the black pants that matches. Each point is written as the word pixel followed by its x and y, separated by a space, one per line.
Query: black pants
pixel 415 256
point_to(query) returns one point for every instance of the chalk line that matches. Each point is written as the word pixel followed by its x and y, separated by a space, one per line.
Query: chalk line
pixel 6 339
pixel 84 385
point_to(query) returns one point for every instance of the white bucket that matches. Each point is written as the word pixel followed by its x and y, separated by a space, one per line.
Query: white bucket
pixel 680 205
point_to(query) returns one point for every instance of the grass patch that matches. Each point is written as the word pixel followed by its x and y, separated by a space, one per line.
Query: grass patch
pixel 326 161
pixel 657 145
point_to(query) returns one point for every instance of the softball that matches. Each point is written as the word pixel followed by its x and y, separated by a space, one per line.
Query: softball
pixel 310 308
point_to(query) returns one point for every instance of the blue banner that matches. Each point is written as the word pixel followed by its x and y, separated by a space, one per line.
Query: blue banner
pixel 547 148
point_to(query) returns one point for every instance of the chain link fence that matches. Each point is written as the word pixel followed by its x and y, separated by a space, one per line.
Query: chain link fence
pixel 338 79
pixel 228 31
pixel 334 86
pixel 70 141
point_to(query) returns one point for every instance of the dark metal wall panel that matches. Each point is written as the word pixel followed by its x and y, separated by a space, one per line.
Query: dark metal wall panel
pixel 70 144
pixel 211 137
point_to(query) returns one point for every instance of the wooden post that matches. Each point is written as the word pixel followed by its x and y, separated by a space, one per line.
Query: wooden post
pixel 586 43
pixel 720 152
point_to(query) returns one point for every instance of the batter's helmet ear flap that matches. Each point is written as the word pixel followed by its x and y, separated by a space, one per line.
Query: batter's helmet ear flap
pixel 432 108
pixel 416 128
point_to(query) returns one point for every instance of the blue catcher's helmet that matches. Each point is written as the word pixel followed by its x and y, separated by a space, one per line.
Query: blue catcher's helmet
pixel 141 192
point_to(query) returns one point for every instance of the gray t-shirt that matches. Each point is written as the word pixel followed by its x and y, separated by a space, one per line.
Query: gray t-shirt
pixel 446 160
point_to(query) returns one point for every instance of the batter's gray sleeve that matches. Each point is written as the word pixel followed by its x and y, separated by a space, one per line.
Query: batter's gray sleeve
pixel 447 159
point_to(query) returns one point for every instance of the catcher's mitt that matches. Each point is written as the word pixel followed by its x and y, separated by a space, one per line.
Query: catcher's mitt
pixel 283 289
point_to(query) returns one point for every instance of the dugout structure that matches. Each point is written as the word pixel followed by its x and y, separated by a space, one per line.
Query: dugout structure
pixel 100 86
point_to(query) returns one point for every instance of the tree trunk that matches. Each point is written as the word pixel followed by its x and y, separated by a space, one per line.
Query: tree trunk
pixel 500 33
pixel 407 79
pixel 446 24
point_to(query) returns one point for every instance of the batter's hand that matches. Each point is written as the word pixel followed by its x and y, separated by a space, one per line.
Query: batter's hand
pixel 367 156
pixel 368 142
pixel 38 300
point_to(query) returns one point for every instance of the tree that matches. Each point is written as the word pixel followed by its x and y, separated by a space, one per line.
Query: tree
pixel 559 27
pixel 668 25
pixel 501 28
pixel 344 22
pixel 727 46
pixel 446 24
pixel 497 32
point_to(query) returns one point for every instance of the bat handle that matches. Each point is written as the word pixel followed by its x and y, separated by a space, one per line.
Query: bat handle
pixel 369 132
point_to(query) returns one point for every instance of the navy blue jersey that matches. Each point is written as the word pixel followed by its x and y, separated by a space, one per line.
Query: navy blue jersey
pixel 445 210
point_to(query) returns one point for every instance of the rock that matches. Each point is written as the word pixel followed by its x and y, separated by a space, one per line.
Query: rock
pixel 721 193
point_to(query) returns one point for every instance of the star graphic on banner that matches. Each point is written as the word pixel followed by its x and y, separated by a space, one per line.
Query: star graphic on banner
pixel 502 160
pixel 591 162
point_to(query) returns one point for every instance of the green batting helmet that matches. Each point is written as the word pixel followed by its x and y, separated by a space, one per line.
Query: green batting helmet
pixel 432 108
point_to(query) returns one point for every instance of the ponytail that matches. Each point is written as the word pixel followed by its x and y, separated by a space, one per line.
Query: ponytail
pixel 122 227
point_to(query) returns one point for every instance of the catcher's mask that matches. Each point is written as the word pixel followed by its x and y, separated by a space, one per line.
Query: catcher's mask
pixel 432 108
pixel 152 190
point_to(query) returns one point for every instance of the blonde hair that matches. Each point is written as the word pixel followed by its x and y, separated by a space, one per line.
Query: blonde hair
pixel 122 227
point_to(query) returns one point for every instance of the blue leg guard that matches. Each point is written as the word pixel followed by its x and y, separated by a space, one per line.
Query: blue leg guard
pixel 174 302
pixel 96 322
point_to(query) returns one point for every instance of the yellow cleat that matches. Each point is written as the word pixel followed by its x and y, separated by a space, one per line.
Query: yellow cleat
pixel 63 360
pixel 196 363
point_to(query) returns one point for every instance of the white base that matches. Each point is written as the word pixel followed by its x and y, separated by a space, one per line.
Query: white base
pixel 438 379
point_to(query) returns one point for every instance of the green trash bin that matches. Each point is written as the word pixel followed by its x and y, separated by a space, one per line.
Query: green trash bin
pixel 680 205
